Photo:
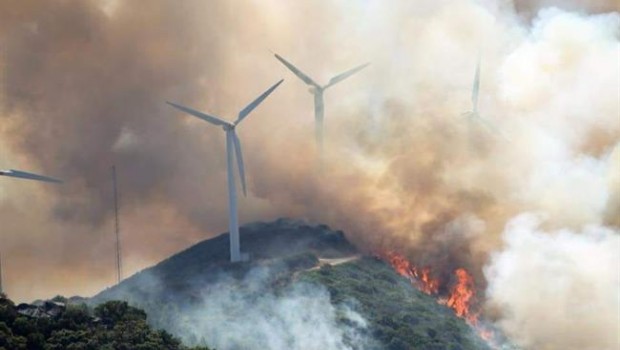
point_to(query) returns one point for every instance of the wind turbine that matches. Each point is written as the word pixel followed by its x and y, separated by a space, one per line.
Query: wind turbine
pixel 317 90
pixel 232 145
pixel 473 115
pixel 28 176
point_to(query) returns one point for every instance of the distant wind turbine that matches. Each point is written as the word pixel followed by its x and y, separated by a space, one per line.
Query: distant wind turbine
pixel 28 176
pixel 473 115
pixel 232 145
pixel 317 90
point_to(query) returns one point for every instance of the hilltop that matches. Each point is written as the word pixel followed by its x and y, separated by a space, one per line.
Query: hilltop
pixel 305 287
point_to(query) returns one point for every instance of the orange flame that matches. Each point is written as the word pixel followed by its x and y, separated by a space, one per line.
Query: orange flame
pixel 462 296
pixel 420 277
pixel 462 300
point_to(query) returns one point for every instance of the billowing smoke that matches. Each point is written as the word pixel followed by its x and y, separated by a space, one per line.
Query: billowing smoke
pixel 85 85
pixel 559 290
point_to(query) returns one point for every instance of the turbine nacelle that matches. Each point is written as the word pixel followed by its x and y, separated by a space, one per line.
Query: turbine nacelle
pixel 314 86
pixel 313 90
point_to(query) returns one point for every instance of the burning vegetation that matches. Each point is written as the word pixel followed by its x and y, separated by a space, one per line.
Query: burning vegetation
pixel 419 277
pixel 458 293
pixel 463 296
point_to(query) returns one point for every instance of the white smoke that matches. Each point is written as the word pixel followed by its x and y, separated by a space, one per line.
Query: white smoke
pixel 556 281
pixel 249 314
pixel 559 289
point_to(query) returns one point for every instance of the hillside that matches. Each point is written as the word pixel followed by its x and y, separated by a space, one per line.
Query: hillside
pixel 306 287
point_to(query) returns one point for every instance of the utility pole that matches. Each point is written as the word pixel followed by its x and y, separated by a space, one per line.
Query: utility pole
pixel 2 101
pixel 2 75
pixel 1 290
pixel 117 228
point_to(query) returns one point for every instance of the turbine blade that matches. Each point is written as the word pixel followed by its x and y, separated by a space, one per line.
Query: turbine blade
pixel 490 126
pixel 28 176
pixel 249 108
pixel 211 119
pixel 342 76
pixel 476 87
pixel 486 124
pixel 239 156
pixel 297 72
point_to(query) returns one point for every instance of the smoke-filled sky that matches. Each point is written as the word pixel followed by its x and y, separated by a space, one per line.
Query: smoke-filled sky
pixel 84 85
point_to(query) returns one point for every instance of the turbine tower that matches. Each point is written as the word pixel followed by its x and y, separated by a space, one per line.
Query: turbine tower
pixel 232 145
pixel 27 176
pixel 473 115
pixel 318 90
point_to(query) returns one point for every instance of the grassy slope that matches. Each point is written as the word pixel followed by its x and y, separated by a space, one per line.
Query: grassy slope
pixel 400 316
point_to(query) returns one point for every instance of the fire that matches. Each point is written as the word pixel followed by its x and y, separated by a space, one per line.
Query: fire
pixel 462 300
pixel 462 296
pixel 420 277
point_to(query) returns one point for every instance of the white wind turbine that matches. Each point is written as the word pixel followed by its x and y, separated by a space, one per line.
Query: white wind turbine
pixel 473 115
pixel 232 145
pixel 317 90
pixel 27 176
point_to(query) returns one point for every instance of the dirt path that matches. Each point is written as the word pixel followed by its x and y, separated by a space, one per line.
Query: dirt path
pixel 333 262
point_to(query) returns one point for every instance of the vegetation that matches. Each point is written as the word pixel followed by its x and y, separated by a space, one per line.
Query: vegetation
pixel 112 325
pixel 399 316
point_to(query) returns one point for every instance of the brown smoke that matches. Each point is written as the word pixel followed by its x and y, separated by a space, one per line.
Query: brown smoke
pixel 83 90
pixel 85 84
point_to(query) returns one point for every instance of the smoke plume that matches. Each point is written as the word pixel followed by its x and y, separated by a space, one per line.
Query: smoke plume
pixel 84 85
pixel 559 290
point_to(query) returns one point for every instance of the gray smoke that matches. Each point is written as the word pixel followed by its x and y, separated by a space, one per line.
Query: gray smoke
pixel 250 314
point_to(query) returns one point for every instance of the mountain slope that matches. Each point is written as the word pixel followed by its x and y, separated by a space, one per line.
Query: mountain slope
pixel 401 316
pixel 306 287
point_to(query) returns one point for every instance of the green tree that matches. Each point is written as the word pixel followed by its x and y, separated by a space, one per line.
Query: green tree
pixel 114 326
